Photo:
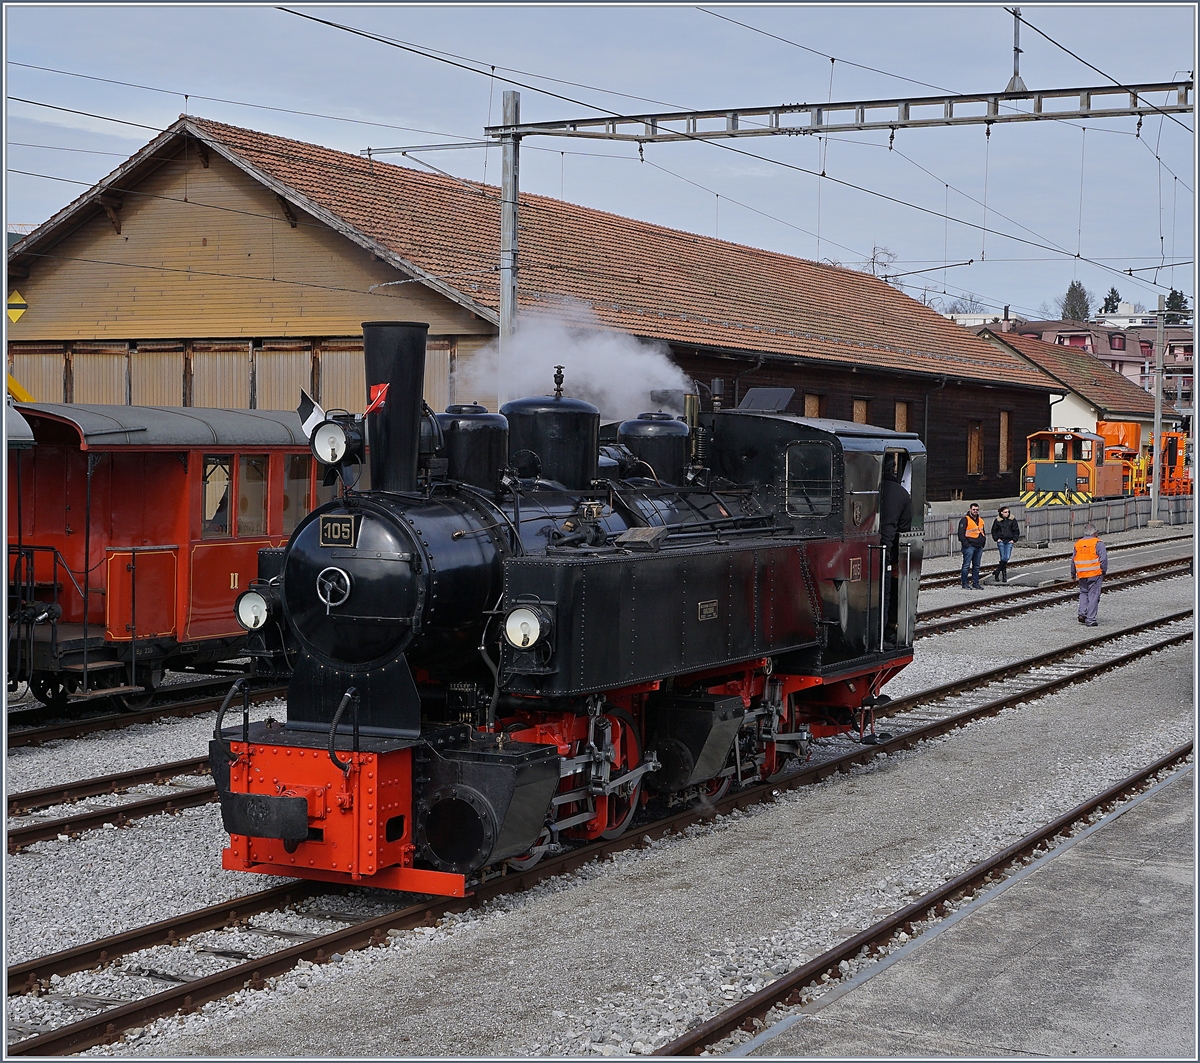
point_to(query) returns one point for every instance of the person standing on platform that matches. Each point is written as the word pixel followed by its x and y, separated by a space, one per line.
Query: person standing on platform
pixel 1089 566
pixel 1005 532
pixel 973 537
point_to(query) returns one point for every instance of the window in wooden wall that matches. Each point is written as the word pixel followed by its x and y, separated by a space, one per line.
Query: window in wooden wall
pixel 902 417
pixel 812 405
pixel 860 411
pixel 1006 458
pixel 974 448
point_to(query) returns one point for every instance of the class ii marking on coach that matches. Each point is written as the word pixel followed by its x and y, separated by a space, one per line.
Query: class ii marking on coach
pixel 532 625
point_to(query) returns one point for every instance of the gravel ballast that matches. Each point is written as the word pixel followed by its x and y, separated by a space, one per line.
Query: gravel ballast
pixel 644 945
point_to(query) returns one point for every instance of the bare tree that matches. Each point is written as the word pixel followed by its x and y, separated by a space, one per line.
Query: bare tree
pixel 967 303
pixel 880 264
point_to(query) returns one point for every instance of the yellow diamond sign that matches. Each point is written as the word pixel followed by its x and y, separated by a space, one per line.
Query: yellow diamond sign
pixel 16 305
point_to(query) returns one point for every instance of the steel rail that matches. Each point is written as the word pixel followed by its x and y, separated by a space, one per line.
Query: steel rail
pixel 35 736
pixel 104 1026
pixel 1029 592
pixel 31 715
pixel 1007 671
pixel 934 580
pixel 1001 609
pixel 34 974
pixel 117 815
pixel 121 814
pixel 49 796
pixel 789 989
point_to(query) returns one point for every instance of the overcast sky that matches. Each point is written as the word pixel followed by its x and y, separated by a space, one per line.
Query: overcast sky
pixel 1119 200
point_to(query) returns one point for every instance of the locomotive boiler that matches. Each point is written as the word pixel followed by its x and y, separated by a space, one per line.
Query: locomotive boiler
pixel 519 635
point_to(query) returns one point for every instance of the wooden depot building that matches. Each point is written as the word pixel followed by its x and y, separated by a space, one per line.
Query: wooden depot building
pixel 223 267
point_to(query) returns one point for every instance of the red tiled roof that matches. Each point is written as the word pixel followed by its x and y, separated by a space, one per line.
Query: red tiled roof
pixel 633 276
pixel 1109 391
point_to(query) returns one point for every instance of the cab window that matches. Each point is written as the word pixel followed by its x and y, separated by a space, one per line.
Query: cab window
pixel 809 479
pixel 252 494
pixel 218 476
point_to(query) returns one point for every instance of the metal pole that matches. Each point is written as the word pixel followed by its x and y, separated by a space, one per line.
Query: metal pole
pixel 510 187
pixel 1016 84
pixel 1156 472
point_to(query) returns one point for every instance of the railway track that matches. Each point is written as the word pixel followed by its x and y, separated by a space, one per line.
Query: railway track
pixel 35 736
pixel 805 982
pixel 934 581
pixel 965 614
pixel 252 972
pixel 20 835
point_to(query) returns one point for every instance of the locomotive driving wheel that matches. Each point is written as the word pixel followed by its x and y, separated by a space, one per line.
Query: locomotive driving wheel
pixel 621 805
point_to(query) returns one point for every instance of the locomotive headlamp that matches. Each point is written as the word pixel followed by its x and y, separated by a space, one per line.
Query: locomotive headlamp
pixel 329 443
pixel 524 627
pixel 255 607
pixel 337 439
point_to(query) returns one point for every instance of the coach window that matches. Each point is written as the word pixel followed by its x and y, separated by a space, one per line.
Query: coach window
pixel 217 480
pixel 252 494
pixel 297 490
pixel 809 479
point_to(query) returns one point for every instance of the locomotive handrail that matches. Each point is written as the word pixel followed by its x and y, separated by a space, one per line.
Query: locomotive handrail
pixel 238 684
pixel 350 695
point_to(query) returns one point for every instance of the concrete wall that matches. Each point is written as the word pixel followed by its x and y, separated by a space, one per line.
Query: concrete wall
pixel 1056 524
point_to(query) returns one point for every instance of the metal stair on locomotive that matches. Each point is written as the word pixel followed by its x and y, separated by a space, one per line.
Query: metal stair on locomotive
pixel 518 634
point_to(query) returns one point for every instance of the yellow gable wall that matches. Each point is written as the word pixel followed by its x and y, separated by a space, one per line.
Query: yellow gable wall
pixel 251 274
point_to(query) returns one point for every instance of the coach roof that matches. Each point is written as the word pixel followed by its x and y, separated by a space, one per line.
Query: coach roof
pixel 112 427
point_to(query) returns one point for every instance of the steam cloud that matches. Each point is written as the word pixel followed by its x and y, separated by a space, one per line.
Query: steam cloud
pixel 612 370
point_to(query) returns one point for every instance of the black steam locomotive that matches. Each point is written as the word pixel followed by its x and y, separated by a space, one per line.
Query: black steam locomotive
pixel 523 631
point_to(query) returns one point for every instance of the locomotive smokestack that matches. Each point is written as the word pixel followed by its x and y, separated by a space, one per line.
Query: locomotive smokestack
pixel 394 354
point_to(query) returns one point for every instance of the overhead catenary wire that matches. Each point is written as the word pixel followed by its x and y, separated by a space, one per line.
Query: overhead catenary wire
pixel 726 147
pixel 235 103
pixel 1015 12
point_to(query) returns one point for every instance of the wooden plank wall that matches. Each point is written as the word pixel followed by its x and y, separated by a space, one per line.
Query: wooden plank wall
pixel 231 374
pixel 950 408
pixel 207 251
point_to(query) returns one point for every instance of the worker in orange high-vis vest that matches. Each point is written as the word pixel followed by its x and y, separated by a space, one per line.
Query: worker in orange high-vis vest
pixel 1089 566
pixel 973 538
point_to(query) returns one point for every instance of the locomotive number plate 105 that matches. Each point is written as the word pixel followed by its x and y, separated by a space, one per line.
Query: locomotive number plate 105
pixel 338 529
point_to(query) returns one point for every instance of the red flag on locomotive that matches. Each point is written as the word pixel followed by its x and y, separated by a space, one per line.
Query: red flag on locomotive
pixel 378 398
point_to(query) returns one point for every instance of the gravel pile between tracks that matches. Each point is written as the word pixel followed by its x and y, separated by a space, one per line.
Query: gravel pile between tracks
pixel 652 942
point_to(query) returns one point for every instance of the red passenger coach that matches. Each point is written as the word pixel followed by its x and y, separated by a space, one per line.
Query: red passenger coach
pixel 165 510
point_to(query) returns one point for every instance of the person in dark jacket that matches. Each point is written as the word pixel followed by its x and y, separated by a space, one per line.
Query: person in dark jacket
pixel 973 538
pixel 1005 533
pixel 895 518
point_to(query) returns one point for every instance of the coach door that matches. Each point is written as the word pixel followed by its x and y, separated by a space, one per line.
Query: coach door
pixel 233 527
